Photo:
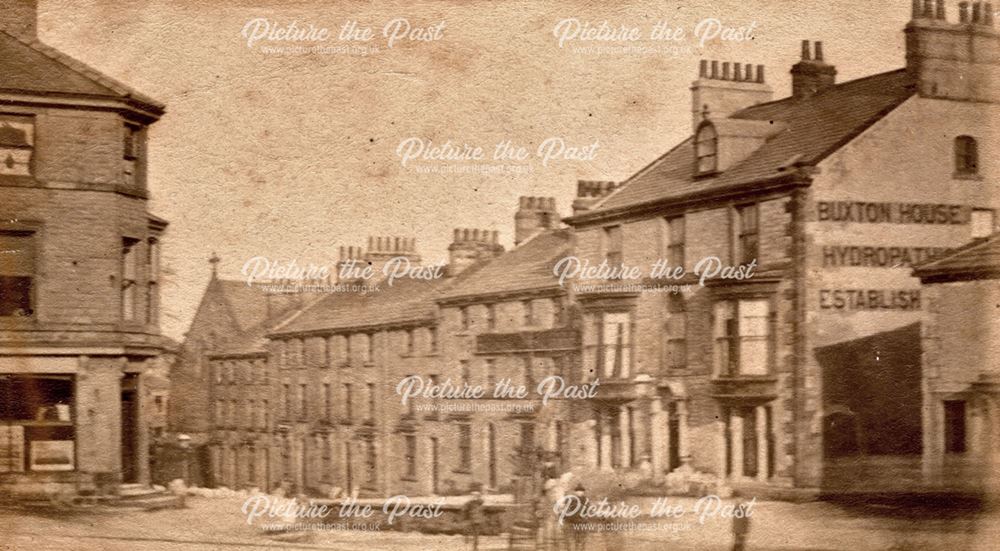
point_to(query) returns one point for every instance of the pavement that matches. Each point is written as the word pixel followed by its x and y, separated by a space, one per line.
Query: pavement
pixel 219 524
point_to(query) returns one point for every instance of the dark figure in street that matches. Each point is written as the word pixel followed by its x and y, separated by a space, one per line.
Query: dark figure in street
pixel 741 527
pixel 475 518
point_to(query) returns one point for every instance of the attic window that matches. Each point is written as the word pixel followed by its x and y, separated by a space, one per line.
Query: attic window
pixel 707 149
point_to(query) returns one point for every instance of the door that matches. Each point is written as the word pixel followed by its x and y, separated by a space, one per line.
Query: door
pixel 492 451
pixel 129 433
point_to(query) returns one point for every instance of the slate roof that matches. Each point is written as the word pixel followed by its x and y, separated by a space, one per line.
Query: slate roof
pixel 406 301
pixel 979 259
pixel 815 127
pixel 525 268
pixel 35 68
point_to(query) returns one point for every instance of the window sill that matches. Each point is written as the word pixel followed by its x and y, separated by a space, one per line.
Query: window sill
pixel 409 479
pixel 971 176
pixel 462 471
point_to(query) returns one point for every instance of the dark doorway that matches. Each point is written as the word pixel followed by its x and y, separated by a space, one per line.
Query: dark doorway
pixel 750 443
pixel 674 437
pixel 954 426
pixel 492 435
pixel 434 465
pixel 129 419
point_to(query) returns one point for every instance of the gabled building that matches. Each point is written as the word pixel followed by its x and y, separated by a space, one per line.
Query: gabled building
pixel 832 195
pixel 79 273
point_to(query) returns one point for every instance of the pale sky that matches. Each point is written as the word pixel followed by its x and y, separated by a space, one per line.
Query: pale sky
pixel 289 156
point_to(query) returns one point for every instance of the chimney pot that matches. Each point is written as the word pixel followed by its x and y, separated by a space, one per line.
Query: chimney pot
pixel 988 13
pixel 725 70
pixel 977 12
pixel 715 69
pixel 496 237
pixel 737 76
pixel 760 74
pixel 703 68
pixel 940 10
pixel 929 9
pixel 963 12
pixel 818 51
pixel 805 50
pixel 917 9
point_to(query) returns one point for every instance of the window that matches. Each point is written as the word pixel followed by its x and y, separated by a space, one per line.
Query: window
pixel 528 307
pixel 954 426
pixel 410 455
pixel 463 313
pixel 17 142
pixel 153 289
pixel 327 402
pixel 464 447
pixel 286 399
pixel 707 150
pixel 491 373
pixel 17 273
pixel 36 423
pixel 303 401
pixel 749 238
pixel 983 223
pixel 675 241
pixel 371 462
pixel 432 336
pixel 614 344
pixel 742 338
pixel 347 350
pixel 676 333
pixel 371 401
pixel 466 373
pixel 266 418
pixel 528 375
pixel 491 317
pixel 966 156
pixel 366 350
pixel 128 270
pixel 613 245
pixel 131 153
pixel 347 402
pixel 409 344
pixel 328 351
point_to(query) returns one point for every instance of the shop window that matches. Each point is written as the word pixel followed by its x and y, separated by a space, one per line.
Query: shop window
pixel 36 423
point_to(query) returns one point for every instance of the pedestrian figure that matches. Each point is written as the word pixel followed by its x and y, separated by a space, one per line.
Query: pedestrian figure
pixel 741 527
pixel 475 518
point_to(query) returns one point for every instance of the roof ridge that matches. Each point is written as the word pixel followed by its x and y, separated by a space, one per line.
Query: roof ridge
pixel 641 171
pixel 81 68
pixel 839 85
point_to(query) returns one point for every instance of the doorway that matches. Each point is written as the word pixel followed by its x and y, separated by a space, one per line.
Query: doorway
pixel 129 433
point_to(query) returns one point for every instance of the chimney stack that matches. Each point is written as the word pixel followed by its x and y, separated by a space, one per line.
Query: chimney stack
pixel 719 94
pixel 382 249
pixel 470 246
pixel 534 214
pixel 590 192
pixel 812 75
pixel 20 18
pixel 958 61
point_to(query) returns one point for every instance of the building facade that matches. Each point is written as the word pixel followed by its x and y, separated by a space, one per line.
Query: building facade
pixel 773 339
pixel 79 294
pixel 961 366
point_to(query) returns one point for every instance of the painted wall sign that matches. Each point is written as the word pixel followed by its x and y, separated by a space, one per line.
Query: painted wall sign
pixel 840 256
pixel 869 299
pixel 891 213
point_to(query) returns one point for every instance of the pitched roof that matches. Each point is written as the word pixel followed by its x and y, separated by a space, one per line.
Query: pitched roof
pixel 35 68
pixel 406 301
pixel 979 259
pixel 815 127
pixel 525 268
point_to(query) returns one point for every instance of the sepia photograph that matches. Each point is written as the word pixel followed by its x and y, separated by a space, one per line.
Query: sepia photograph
pixel 525 275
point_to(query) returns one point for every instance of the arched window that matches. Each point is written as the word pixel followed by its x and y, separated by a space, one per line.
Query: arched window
pixel 707 149
pixel 966 155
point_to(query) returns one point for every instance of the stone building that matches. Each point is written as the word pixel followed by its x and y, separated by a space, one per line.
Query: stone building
pixel 961 365
pixel 79 293
pixel 811 366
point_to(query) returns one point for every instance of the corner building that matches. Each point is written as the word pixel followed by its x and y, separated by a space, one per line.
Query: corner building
pixel 808 373
pixel 79 293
